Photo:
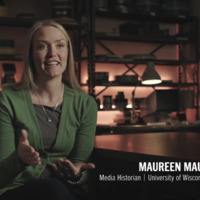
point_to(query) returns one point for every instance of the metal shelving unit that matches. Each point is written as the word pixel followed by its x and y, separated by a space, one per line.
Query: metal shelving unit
pixel 187 34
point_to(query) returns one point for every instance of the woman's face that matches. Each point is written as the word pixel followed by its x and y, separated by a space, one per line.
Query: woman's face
pixel 50 52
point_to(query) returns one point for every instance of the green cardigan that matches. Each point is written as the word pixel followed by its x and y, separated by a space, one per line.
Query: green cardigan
pixel 75 138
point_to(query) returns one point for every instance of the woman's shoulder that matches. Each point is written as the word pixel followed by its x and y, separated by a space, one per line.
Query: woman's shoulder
pixel 12 91
pixel 79 96
pixel 77 93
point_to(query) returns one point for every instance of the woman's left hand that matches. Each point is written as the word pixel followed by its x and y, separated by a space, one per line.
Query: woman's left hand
pixel 67 169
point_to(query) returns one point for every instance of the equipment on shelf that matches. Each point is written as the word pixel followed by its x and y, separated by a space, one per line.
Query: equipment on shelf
pixel 106 57
pixel 121 6
pixel 98 101
pixel 140 57
pixel 7 47
pixel 26 16
pixel 107 102
pixel 101 78
pixel 147 6
pixel 9 73
pixel 175 7
pixel 126 79
pixel 144 7
pixel 149 29
pixel 120 102
pixel 101 5
pixel 62 8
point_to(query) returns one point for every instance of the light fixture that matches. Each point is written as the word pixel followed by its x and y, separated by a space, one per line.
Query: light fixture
pixel 150 75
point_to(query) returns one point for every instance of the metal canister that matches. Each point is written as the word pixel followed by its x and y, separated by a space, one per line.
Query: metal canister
pixel 7 47
pixel 107 102
pixel 147 6
pixel 101 5
pixel 175 7
pixel 62 8
pixel 122 6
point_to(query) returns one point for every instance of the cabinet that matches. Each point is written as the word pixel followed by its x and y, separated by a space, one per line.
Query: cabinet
pixel 174 45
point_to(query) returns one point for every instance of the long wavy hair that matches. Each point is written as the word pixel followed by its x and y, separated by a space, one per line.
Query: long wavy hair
pixel 29 72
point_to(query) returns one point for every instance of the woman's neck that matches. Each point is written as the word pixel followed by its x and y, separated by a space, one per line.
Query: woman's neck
pixel 49 93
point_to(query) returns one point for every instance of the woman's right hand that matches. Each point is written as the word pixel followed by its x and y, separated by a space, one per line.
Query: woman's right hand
pixel 26 152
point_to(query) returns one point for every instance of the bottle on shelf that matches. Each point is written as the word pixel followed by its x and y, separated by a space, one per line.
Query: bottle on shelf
pixel 107 102
pixel 133 117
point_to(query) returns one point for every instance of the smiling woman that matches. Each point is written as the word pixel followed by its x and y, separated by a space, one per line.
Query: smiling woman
pixel 47 123
pixel 50 50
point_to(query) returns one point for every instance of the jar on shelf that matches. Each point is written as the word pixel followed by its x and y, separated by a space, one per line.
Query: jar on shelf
pixel 147 6
pixel 175 7
pixel 122 6
pixel 107 102
pixel 7 47
pixel 101 5
pixel 62 8
pixel 98 103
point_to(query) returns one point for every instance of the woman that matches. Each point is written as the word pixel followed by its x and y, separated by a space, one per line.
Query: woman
pixel 47 124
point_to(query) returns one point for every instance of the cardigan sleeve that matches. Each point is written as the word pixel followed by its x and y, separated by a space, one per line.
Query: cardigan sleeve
pixel 10 165
pixel 84 142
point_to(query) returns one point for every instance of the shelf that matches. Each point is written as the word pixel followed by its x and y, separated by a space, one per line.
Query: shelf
pixel 142 38
pixel 16 22
pixel 171 63
pixel 118 109
pixel 164 84
pixel 16 57
pixel 11 57
pixel 28 22
pixel 152 17
pixel 70 25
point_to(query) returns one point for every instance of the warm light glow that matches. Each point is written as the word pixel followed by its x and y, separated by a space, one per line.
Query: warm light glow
pixel 129 106
pixel 113 106
pixel 101 106
pixel 151 82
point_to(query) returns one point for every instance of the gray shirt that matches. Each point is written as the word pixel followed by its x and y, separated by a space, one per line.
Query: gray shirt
pixel 48 129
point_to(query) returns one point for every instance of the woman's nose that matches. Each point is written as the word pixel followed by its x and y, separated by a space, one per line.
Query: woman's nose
pixel 52 51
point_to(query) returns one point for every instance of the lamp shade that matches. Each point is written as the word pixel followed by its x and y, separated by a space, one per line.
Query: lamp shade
pixel 150 75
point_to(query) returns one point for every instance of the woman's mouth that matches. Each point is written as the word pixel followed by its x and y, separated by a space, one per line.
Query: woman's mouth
pixel 52 63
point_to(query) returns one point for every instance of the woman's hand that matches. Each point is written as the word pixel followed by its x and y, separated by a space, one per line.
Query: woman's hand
pixel 26 152
pixel 66 169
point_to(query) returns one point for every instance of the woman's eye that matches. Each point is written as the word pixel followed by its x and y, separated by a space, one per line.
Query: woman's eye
pixel 60 45
pixel 41 46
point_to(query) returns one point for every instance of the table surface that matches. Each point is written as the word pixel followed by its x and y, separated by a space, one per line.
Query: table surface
pixel 175 145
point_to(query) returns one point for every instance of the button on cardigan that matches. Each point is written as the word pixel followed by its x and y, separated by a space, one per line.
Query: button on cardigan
pixel 75 138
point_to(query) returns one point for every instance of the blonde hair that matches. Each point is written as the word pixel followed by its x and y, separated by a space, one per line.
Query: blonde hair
pixel 28 76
